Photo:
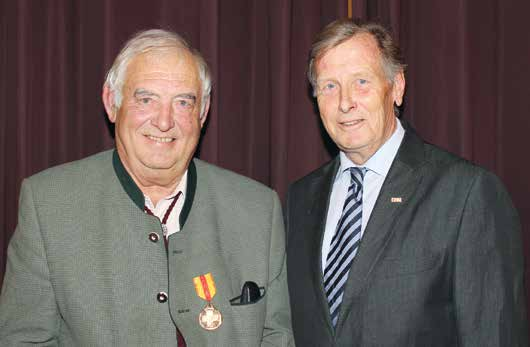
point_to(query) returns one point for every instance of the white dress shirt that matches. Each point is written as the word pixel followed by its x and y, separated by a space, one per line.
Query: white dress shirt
pixel 173 224
pixel 377 168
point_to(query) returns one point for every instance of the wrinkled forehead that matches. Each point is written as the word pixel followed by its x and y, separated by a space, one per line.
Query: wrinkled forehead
pixel 171 62
pixel 360 48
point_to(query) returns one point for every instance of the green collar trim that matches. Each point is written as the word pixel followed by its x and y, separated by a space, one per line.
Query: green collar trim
pixel 190 193
pixel 137 196
pixel 127 182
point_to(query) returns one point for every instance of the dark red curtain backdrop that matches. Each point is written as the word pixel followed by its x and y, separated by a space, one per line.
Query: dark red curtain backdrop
pixel 467 82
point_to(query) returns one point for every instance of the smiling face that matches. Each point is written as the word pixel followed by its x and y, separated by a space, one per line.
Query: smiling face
pixel 355 97
pixel 158 124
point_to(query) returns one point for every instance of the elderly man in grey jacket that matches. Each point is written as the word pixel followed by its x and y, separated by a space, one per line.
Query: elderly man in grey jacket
pixel 144 245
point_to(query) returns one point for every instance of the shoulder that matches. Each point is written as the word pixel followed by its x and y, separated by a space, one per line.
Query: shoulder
pixel 455 176
pixel 91 163
pixel 227 181
pixel 325 172
pixel 444 164
pixel 234 194
pixel 437 164
pixel 92 170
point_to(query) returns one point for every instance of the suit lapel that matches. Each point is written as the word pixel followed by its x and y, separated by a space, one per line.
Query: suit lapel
pixel 401 182
pixel 320 190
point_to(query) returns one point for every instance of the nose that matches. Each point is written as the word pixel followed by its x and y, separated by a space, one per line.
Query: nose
pixel 164 119
pixel 347 100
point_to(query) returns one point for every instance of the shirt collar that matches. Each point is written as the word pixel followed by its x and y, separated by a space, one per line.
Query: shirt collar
pixel 380 162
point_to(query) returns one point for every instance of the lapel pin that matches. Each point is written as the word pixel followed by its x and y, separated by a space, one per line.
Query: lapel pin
pixel 396 199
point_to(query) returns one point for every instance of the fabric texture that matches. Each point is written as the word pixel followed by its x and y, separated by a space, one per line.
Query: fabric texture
pixel 82 270
pixel 440 262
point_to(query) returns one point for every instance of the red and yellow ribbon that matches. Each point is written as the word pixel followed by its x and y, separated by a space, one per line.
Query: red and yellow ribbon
pixel 205 286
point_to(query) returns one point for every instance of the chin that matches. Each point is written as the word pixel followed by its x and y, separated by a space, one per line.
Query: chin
pixel 353 146
pixel 158 164
pixel 161 166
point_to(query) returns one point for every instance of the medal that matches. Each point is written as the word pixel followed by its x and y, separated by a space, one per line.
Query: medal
pixel 209 318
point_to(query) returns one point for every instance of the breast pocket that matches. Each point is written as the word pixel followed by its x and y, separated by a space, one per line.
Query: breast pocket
pixel 395 267
pixel 404 284
pixel 249 320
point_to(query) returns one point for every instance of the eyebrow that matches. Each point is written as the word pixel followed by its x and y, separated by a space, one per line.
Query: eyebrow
pixel 326 80
pixel 186 96
pixel 143 92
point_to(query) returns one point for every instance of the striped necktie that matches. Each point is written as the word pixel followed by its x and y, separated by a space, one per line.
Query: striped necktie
pixel 344 244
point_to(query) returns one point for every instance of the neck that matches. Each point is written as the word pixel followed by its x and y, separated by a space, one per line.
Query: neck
pixel 156 189
pixel 156 184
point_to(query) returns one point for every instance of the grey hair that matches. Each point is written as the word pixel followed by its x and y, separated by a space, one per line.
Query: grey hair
pixel 340 31
pixel 153 40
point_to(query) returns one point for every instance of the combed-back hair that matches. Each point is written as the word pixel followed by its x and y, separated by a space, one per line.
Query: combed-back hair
pixel 342 30
pixel 153 40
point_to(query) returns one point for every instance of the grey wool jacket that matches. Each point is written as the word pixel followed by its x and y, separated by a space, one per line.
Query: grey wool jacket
pixel 82 270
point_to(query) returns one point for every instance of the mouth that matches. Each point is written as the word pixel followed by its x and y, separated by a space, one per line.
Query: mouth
pixel 352 122
pixel 160 139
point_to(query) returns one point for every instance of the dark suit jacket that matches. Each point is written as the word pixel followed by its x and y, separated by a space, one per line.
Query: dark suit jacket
pixel 443 267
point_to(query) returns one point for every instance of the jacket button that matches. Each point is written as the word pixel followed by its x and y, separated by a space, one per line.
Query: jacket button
pixel 161 297
pixel 153 237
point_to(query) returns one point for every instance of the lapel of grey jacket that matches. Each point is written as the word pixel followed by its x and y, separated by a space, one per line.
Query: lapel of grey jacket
pixel 320 190
pixel 403 178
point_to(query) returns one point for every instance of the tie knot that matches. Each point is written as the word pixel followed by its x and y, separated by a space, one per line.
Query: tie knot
pixel 357 175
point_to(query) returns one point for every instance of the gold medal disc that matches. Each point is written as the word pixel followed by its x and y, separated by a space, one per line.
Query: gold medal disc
pixel 210 318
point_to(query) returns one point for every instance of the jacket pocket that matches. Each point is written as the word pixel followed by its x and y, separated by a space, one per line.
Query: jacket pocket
pixel 406 266
pixel 249 320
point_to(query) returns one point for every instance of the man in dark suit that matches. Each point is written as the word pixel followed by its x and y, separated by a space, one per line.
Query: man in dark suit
pixel 395 242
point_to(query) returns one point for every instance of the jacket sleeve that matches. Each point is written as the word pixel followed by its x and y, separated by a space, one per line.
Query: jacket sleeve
pixel 277 329
pixel 488 269
pixel 28 311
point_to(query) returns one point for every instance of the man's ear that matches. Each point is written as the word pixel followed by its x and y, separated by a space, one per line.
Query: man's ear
pixel 398 89
pixel 205 113
pixel 108 101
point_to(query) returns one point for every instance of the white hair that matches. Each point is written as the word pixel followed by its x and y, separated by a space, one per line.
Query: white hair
pixel 153 40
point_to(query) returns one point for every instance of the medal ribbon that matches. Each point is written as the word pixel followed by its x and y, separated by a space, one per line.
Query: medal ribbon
pixel 205 286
